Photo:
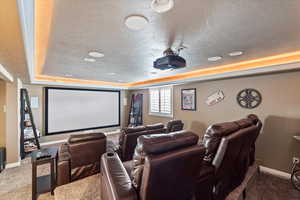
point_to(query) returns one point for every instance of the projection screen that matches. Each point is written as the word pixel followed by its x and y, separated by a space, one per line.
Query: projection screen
pixel 70 109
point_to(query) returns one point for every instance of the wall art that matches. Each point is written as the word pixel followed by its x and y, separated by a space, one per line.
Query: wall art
pixel 215 98
pixel 249 98
pixel 188 99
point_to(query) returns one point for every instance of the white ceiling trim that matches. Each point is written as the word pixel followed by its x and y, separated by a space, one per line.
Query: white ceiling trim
pixel 26 12
pixel 241 73
pixel 5 75
pixel 52 83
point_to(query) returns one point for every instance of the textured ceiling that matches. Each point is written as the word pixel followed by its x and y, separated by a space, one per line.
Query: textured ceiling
pixel 207 27
pixel 12 53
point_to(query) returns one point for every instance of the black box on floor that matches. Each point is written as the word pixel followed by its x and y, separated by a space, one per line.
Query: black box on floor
pixel 2 158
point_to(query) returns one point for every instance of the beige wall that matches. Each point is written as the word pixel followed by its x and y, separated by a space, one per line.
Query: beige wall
pixel 37 91
pixel 2 113
pixel 279 111
pixel 12 123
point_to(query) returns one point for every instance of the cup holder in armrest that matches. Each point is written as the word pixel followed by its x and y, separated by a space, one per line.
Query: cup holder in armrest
pixel 110 154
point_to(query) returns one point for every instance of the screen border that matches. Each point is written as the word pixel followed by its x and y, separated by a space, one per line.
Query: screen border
pixel 76 130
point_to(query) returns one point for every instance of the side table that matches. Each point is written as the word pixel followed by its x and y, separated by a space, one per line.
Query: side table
pixel 47 183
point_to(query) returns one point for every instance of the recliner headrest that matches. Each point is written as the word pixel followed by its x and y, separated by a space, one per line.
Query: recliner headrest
pixel 158 144
pixel 161 143
pixel 85 137
pixel 134 129
pixel 173 122
pixel 214 134
pixel 222 129
pixel 253 118
pixel 155 126
pixel 244 123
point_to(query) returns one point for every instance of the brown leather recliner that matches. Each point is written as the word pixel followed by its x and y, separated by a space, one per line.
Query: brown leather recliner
pixel 164 167
pixel 230 148
pixel 128 138
pixel 79 157
pixel 174 125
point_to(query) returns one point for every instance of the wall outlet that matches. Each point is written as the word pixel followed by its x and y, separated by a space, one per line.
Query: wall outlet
pixel 296 160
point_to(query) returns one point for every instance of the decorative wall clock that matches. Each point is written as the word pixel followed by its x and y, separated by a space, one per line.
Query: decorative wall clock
pixel 249 98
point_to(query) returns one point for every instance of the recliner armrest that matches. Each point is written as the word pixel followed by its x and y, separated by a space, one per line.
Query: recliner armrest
pixel 63 165
pixel 115 181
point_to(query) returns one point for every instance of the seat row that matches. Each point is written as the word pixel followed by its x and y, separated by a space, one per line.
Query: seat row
pixel 79 156
pixel 179 166
pixel 157 163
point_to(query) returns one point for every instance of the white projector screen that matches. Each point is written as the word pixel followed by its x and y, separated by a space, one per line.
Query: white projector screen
pixel 69 109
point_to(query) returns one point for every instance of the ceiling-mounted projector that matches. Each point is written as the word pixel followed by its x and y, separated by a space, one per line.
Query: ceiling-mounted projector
pixel 171 60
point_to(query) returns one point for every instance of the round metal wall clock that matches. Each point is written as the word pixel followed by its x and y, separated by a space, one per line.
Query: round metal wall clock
pixel 249 98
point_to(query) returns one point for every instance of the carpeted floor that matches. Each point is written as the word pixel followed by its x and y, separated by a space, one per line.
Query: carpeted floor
pixel 15 184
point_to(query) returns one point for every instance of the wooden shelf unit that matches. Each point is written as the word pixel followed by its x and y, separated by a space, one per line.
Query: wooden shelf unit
pixel 27 145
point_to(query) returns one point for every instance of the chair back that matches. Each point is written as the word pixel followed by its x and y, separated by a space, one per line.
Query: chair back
pixel 166 165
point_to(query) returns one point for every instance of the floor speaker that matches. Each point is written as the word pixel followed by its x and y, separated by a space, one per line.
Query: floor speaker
pixel 2 158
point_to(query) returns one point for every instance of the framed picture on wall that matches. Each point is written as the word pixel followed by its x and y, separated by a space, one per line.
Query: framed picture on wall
pixel 188 99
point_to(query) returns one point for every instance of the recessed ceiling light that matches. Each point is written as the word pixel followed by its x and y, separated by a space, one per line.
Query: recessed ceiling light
pixel 215 58
pixel 162 6
pixel 235 53
pixel 89 59
pixel 68 75
pixel 136 22
pixel 96 54
pixel 112 73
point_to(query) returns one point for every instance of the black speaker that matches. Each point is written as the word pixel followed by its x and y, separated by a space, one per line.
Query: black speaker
pixel 2 158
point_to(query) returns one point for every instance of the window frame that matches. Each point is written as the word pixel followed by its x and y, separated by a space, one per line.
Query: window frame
pixel 160 114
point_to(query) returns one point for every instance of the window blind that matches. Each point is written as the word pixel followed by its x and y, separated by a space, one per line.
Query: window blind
pixel 154 100
pixel 161 101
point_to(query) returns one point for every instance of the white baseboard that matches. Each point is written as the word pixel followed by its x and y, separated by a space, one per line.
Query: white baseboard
pixel 12 165
pixel 275 172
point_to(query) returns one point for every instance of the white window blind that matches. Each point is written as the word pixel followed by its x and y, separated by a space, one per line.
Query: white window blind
pixel 161 101
pixel 154 100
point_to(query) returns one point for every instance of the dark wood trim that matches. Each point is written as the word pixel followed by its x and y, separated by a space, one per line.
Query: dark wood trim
pixel 84 129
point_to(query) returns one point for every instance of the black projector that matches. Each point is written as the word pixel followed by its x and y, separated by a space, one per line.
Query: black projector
pixel 169 62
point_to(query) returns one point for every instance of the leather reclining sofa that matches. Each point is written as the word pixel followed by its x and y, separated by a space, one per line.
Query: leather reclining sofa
pixel 230 150
pixel 173 166
pixel 128 137
pixel 163 168
pixel 79 157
